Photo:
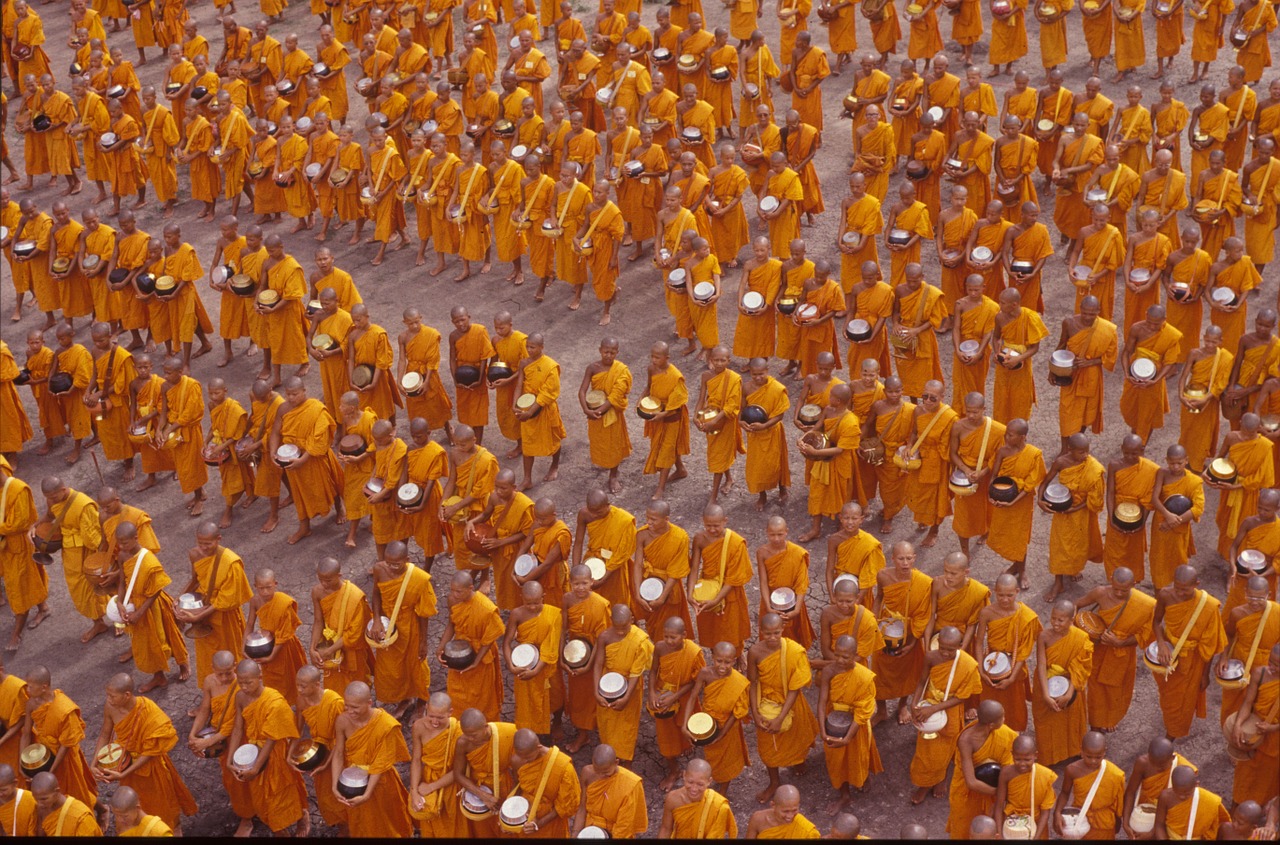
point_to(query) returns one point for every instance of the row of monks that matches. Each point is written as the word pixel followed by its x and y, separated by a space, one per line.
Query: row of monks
pixel 932 645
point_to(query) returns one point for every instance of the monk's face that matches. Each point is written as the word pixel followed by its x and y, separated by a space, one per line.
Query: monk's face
pixel 330 581
pixel 1178 465
pixel 1185 590
pixel 845 601
pixel 357 706
pixel 172 375
pixel 975 412
pixel 1093 757
pixel 436 718
pixel 1060 621
pixel 46 802
pixel 959 198
pixel 771 635
pixel 580 587
pixel 846 658
pixel 8 789
pixel 954 574
pixel 776 534
pixel 250 682
pixel 722 663
pixel 119 699
pixel 1120 589
pixel 265 588
pixel 1022 762
pixel 851 520
pixel 1255 600
pixel 1006 597
pixel 658 521
pixel 714 526
pixel 759 376
pixel 785 811
pixel 695 784
pixel 460 591
pixel 931 400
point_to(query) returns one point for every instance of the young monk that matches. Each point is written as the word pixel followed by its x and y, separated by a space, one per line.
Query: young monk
pixel 677 663
pixel 139 726
pixel 986 739
pixel 474 619
pixel 405 597
pixel 1063 650
pixel 1026 788
pixel 370 738
pixel 782 820
pixel 539 624
pixel 1130 479
pixel 719 406
pixel 662 552
pixel 723 570
pixel 277 794
pixel 695 810
pixel 848 687
pixel 854 552
pixel 1175 818
pixel 610 443
pixel 154 635
pixel 1093 780
pixel 779 671
pixel 276 612
pixel 846 615
pixel 586 616
pixel 1010 627
pixel 607 533
pixel 1127 613
pixel 626 649
pixel 722 692
pixel 314 477
pixel 1009 523
pixel 1171 542
pixel 902 593
pixel 668 429
pixel 767 465
pixel 950 677
pixel 1188 616
pixel 433 743
pixel 781 564
pixel 340 613
pixel 612 797
pixel 318 710
pixel 217 574
pixel 510 513
pixel 1073 533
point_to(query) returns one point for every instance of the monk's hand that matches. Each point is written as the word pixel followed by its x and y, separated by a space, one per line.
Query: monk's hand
pixel 1109 639
pixel 1163 652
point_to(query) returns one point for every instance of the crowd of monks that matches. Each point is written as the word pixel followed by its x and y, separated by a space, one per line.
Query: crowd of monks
pixel 699 149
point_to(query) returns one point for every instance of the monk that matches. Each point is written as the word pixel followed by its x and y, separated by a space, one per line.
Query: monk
pixel 143 730
pixel 974 320
pixel 510 513
pixel 263 718
pixel 76 515
pixel 607 533
pixel 536 623
pixel 216 711
pixel 1171 542
pixel 1205 378
pixel 130 820
pixel 716 587
pixel 474 619
pixel 929 442
pixel 783 565
pixel 154 636
pixel 1255 778
pixel 832 468
pixel 1185 810
pixel 369 737
pixel 26 584
pixel 1251 454
pixel 318 710
pixel 341 613
pixel 1235 270
pixel 767 466
pixel 695 810
pixel 1187 616
pixel 1093 785
pixel 779 671
pixel 481 764
pixel 1253 627
pixel 1074 537
pixel 719 405
pixel 610 443
pixel 1011 628
pixel 406 598
pixel 783 819
pixel 950 677
pixel 974 444
pixel 612 797
pixel 1152 773
pixel 1009 522
pixel 472 476
pixel 265 404
pixel 586 616
pixel 662 553
pixel 1061 650
pixel 1127 613
pixel 677 663
pixel 1144 400
pixel 846 686
pixel 1092 339
pixel 180 429
pixel 1255 352
pixel 547 777
pixel 217 574
pixel 985 739
pixel 433 744
pixel 668 428
pixel 1026 787
pixel 61 814
pixel 956 600
pixel 470 348
pixel 854 552
pixel 420 353
pixel 918 312
pixel 902 593
pixel 314 477
pixel 848 615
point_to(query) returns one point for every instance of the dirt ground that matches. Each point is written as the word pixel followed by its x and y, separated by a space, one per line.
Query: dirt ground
pixel 639 319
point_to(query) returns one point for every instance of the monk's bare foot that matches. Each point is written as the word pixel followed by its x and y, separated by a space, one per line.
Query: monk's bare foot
pixel 303 829
pixel 882 714
pixel 669 781
pixel 552 475
pixel 74 457
pixel 837 806
pixel 919 795
pixel 148 483
pixel 125 656
pixel 245 829
pixel 44 448
pixel 184 673
pixel 225 522
pixel 677 475
pixel 766 794
pixel 1052 593
pixel 97 629
pixel 575 745
pixel 355 239
pixel 904 714
pixel 513 452
pixel 615 486
pixel 287 500
pixel 438 269
pixel 886 526
pixel 940 789
pixel 157 681
pixel 808 536
pixel 605 319
pixel 129 471
pixel 303 531
pixel 41 615
pixel 518 280
pixel 225 360
pixel 197 507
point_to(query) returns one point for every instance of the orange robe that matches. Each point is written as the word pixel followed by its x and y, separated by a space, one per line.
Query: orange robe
pixel 669 437
pixel 398 674
pixel 346 613
pixel 1143 409
pixel 853 691
pixel 1058 734
pixel 58 725
pixel 377 747
pixel 1182 699
pixel 964 804
pixel 1014 635
pixel 786 670
pixel 278 794
pixel 280 617
pixel 317 483
pixel 477 621
pixel 727 561
pixel 955 678
pixel 147 731
pixel 631 657
pixel 608 439
pixel 898 674
pixel 617 804
pixel 226 597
